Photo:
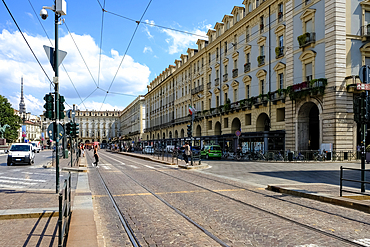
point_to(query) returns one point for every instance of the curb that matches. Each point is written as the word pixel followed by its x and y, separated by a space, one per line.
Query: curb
pixel 73 169
pixel 8 214
pixel 335 200
pixel 147 158
pixel 195 167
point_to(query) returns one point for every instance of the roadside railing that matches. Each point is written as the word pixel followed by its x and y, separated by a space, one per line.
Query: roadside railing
pixel 362 182
pixel 65 211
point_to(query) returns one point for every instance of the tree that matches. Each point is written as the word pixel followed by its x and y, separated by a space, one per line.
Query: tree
pixel 7 116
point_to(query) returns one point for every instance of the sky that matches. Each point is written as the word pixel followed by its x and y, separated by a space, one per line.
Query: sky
pixel 110 58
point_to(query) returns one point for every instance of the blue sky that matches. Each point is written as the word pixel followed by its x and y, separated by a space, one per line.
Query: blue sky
pixel 152 49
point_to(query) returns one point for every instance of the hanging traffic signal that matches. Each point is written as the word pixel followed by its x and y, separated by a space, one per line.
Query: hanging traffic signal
pixel 69 129
pixel 49 106
pixel 189 131
pixel 356 109
pixel 61 107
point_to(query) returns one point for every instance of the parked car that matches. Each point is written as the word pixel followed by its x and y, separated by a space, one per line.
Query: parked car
pixel 21 153
pixel 212 151
pixel 148 150
pixel 36 146
pixel 195 150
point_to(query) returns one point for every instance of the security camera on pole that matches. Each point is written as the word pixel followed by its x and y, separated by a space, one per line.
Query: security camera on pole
pixel 60 8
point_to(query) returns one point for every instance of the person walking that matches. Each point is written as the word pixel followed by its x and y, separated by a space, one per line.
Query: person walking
pixel 187 152
pixel 83 150
pixel 96 156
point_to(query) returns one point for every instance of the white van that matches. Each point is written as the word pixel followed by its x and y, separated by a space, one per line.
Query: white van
pixel 21 153
pixel 36 146
pixel 148 149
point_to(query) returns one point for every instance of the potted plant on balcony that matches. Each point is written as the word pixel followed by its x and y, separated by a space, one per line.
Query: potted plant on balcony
pixel 260 60
pixel 302 39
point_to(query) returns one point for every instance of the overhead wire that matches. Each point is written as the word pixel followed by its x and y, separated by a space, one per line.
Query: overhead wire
pixel 128 47
pixel 101 40
pixel 51 43
pixel 15 22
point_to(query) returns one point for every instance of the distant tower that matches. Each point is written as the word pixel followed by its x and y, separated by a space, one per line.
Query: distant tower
pixel 22 105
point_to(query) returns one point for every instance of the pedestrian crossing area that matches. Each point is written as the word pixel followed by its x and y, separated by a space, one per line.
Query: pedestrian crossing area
pixel 19 179
pixel 109 166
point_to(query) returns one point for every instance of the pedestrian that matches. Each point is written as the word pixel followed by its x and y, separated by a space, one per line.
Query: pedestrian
pixel 83 150
pixel 96 156
pixel 187 152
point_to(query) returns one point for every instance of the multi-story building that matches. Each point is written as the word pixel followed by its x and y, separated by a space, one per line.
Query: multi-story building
pixel 94 126
pixel 132 120
pixel 33 127
pixel 280 72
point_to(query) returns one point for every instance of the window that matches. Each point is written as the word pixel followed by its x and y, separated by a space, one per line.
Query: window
pixel 237 17
pixel 262 86
pixel 225 100
pixel 308 26
pixel 257 3
pixel 226 122
pixel 280 11
pixel 247 57
pixel 235 42
pixel 202 105
pixel 209 103
pixel 281 81
pixel 225 69
pixel 202 62
pixel 209 78
pixel 261 24
pixel 247 34
pixel 308 70
pixel 248 119
pixel 225 48
pixel 281 41
pixel 217 52
pixel 209 57
pixel 249 7
pixel 235 63
pixel 248 92
pixel 202 81
pixel 262 52
pixel 227 25
pixel 217 100
pixel 235 94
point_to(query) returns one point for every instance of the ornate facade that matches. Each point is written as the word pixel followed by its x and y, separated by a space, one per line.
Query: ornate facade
pixel 281 72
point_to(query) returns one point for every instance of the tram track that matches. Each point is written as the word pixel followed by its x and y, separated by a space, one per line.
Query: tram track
pixel 308 227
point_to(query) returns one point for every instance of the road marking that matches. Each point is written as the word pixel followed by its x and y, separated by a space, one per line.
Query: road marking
pixel 10 186
pixel 151 167
pixel 123 163
pixel 364 241
pixel 23 179
pixel 16 182
pixel 35 173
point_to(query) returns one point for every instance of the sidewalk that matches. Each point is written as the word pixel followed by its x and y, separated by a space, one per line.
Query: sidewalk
pixel 29 217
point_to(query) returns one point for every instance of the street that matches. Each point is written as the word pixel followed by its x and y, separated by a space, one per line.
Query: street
pixel 225 205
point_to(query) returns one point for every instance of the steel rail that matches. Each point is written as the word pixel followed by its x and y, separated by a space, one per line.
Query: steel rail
pixel 268 212
pixel 126 226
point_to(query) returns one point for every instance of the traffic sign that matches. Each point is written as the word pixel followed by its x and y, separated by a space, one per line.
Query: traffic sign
pixel 50 53
pixel 51 131
pixel 364 74
pixel 362 86
pixel 238 133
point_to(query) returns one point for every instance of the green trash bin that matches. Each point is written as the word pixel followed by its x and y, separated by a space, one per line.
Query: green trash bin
pixel 66 154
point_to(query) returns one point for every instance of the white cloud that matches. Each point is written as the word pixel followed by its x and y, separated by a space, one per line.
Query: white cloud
pixel 146 29
pixel 16 60
pixel 147 49
pixel 98 106
pixel 32 103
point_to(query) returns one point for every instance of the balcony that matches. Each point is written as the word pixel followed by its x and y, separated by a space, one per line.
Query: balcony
pixel 225 77
pixel 365 31
pixel 235 73
pixel 261 60
pixel 247 67
pixel 278 95
pixel 279 52
pixel 306 39
pixel 307 88
pixel 217 82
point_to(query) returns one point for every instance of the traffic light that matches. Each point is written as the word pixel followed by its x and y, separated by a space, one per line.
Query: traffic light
pixel 76 130
pixel 356 109
pixel 189 131
pixel 49 106
pixel 61 107
pixel 69 129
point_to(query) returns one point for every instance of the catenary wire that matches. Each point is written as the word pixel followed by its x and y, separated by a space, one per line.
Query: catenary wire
pixel 101 41
pixel 51 43
pixel 15 22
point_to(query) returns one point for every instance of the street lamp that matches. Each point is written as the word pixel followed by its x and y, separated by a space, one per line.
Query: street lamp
pixel 59 8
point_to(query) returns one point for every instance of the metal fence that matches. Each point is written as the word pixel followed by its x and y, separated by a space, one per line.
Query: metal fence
pixel 65 211
pixel 362 182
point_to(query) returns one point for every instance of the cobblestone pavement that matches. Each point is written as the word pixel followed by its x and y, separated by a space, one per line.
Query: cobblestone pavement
pixel 23 188
pixel 237 213
pixel 29 232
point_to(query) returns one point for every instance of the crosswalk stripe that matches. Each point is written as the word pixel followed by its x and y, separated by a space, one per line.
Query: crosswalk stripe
pixel 151 167
pixel 11 186
pixel 16 182
pixel 23 179
pixel 364 241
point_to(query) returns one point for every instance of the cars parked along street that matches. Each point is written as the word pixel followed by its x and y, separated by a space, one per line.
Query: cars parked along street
pixel 212 151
